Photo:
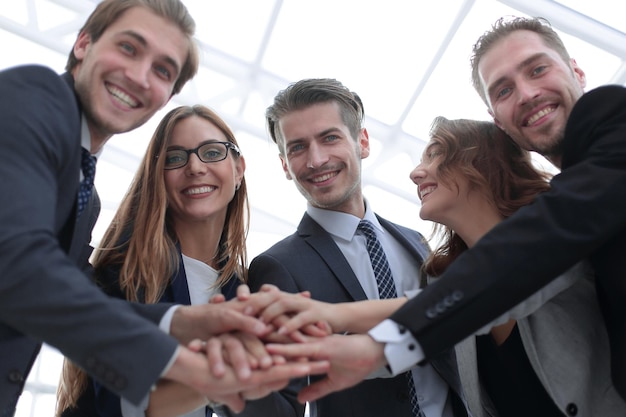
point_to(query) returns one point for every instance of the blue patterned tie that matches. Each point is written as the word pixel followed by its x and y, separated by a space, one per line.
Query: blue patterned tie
pixel 88 165
pixel 386 289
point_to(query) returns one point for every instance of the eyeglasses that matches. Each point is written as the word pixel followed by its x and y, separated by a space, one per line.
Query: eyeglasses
pixel 207 152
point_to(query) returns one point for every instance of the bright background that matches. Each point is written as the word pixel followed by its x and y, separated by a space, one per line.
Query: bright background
pixel 407 59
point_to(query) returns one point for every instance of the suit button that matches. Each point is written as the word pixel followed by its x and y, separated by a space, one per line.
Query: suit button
pixel 431 313
pixel 571 409
pixel 440 308
pixel 15 376
pixel 448 301
pixel 457 295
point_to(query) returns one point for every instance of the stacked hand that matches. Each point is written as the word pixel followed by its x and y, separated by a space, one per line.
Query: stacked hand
pixel 225 359
pixel 257 342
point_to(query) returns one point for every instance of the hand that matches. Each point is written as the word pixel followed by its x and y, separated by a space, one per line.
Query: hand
pixel 281 315
pixel 206 320
pixel 192 369
pixel 351 359
pixel 242 351
pixel 298 312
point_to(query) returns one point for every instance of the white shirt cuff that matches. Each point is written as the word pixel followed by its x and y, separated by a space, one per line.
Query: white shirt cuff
pixel 166 320
pixel 164 325
pixel 401 349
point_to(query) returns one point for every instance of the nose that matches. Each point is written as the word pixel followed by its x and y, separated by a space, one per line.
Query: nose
pixel 195 165
pixel 526 92
pixel 417 174
pixel 316 156
pixel 139 73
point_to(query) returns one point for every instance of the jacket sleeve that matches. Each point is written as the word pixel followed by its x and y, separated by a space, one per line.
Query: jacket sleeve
pixel 43 293
pixel 585 207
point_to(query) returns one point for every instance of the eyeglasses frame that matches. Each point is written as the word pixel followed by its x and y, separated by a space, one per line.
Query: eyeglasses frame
pixel 227 144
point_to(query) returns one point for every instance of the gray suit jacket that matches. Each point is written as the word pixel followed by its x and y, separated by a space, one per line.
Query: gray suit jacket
pixel 310 260
pixel 45 295
pixel 568 348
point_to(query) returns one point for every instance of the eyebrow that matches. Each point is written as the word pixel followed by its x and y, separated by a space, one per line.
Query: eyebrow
pixel 139 38
pixel 328 131
pixel 316 135
pixel 525 63
pixel 205 142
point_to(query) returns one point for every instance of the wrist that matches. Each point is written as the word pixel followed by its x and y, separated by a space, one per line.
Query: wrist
pixel 401 350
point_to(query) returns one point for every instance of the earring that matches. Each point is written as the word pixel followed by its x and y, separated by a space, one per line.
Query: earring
pixel 237 186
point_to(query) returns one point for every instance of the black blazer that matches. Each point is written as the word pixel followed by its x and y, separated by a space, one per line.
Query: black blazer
pixel 583 215
pixel 45 296
pixel 310 260
pixel 97 400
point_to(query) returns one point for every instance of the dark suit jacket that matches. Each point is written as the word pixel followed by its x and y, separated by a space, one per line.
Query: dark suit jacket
pixel 583 215
pixel 44 295
pixel 310 260
pixel 98 401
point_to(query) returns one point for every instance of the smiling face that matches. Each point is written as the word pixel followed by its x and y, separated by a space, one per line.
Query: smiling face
pixel 441 199
pixel 322 158
pixel 530 91
pixel 129 73
pixel 200 191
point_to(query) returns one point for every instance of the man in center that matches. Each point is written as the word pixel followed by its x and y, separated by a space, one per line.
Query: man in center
pixel 318 127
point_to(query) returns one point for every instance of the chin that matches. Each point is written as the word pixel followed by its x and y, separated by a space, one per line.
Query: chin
pixel 424 214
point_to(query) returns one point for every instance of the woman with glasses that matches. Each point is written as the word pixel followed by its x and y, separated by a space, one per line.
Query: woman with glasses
pixel 178 236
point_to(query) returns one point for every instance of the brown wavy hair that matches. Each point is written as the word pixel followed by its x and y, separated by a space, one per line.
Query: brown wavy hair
pixel 493 164
pixel 141 242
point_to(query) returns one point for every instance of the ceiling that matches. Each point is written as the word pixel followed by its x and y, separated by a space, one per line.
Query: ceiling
pixel 407 59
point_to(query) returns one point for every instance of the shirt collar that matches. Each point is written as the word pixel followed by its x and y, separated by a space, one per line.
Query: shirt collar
pixel 342 225
pixel 85 136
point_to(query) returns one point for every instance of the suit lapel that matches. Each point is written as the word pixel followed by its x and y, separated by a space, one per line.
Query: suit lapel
pixel 229 290
pixel 321 242
pixel 446 366
pixel 180 289
pixel 412 241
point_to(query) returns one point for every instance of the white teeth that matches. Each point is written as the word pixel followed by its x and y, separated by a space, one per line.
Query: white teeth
pixel 427 190
pixel 324 177
pixel 123 97
pixel 532 119
pixel 199 190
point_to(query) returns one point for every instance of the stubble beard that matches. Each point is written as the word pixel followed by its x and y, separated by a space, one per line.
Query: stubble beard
pixel 333 202
pixel 553 147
